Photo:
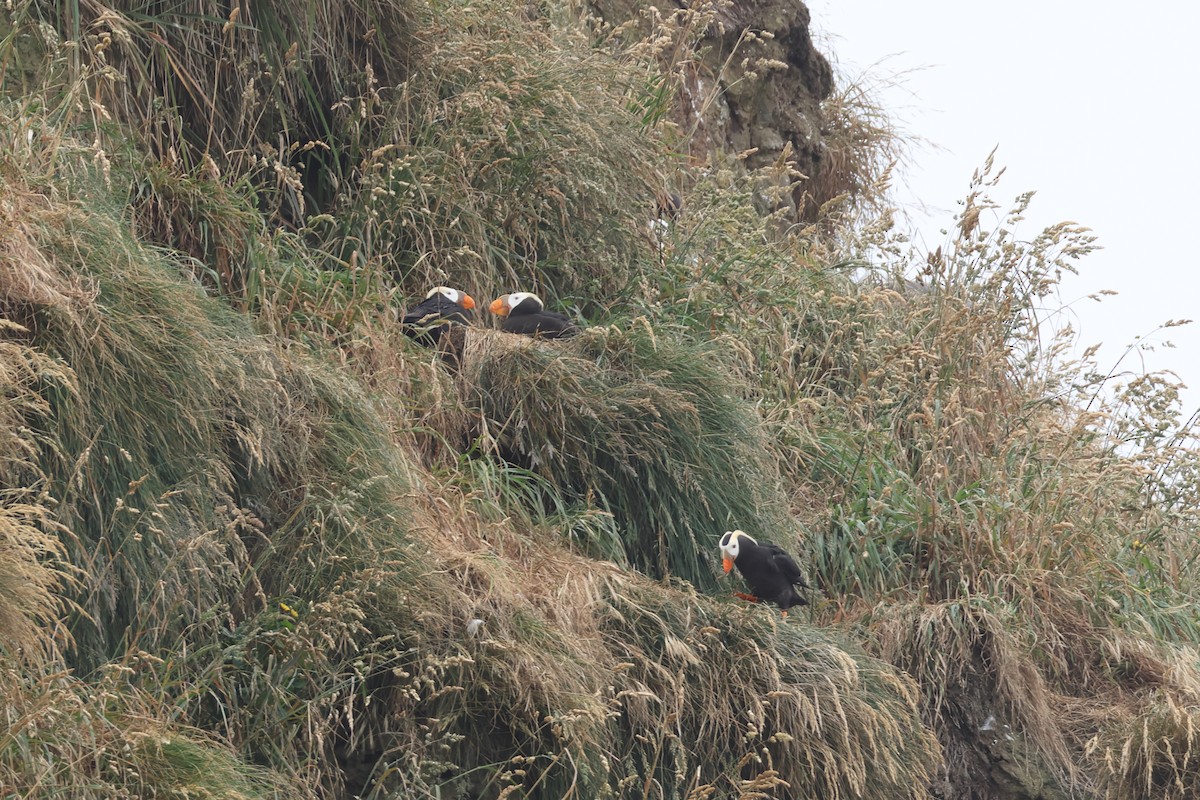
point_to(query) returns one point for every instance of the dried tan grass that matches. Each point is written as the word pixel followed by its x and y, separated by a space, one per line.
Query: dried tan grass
pixel 33 579
pixel 971 668
pixel 707 680
pixel 863 146
pixel 978 516
pixel 1149 753
pixel 28 277
pixel 34 574
pixel 507 575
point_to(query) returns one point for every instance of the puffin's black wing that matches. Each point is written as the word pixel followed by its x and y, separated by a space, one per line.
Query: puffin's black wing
pixel 785 564
pixel 424 322
pixel 547 324
pixel 432 309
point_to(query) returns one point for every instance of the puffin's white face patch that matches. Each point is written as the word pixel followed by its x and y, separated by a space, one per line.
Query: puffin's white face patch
pixel 730 545
pixel 516 298
pixel 453 295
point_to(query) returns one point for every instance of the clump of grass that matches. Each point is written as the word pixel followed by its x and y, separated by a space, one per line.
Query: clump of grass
pixel 261 113
pixel 725 271
pixel 645 427
pixel 107 738
pixel 976 675
pixel 137 424
pixel 707 681
pixel 1150 752
pixel 33 571
pixel 862 148
pixel 32 579
pixel 513 160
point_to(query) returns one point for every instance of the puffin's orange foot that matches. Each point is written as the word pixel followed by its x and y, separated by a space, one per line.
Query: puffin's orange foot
pixel 749 598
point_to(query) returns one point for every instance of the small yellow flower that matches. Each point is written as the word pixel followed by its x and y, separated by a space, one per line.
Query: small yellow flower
pixel 1137 545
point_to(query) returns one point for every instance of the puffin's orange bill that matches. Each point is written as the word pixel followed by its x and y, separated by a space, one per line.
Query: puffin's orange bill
pixel 727 563
pixel 498 307
pixel 468 302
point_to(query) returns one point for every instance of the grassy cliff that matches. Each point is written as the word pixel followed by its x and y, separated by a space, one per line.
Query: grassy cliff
pixel 254 542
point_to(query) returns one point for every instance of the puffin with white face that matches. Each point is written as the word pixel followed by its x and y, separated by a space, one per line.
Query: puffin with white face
pixel 770 572
pixel 525 313
pixel 441 308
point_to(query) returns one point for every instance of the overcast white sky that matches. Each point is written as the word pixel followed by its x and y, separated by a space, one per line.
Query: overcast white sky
pixel 1095 105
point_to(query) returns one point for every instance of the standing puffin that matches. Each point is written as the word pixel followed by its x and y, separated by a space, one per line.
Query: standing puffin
pixel 770 572
pixel 442 307
pixel 524 313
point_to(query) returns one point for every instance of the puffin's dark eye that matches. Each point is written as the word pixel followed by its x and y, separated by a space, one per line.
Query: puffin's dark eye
pixel 725 539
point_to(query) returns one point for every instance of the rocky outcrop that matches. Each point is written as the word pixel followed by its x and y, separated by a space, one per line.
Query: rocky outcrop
pixel 757 85
pixel 771 81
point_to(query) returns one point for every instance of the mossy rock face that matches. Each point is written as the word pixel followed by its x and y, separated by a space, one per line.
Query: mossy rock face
pixel 987 756
pixel 23 52
pixel 771 104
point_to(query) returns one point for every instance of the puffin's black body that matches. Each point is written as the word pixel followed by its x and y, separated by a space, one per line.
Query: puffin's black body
pixel 524 313
pixel 770 572
pixel 548 324
pixel 668 206
pixel 428 320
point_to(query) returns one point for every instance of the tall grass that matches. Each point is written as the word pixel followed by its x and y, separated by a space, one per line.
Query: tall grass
pixel 493 141
pixel 106 738
pixel 713 685
pixel 1149 753
pixel 135 452
pixel 640 425
pixel 988 533
pixel 201 479
pixel 258 544
pixel 34 572
pixel 511 159
pixel 260 561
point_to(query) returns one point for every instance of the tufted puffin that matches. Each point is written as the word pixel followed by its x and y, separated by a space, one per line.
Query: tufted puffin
pixel 770 572
pixel 426 322
pixel 668 206
pixel 524 313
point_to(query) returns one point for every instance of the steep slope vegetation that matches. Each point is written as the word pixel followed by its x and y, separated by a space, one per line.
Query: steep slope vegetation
pixel 256 556
pixel 256 543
